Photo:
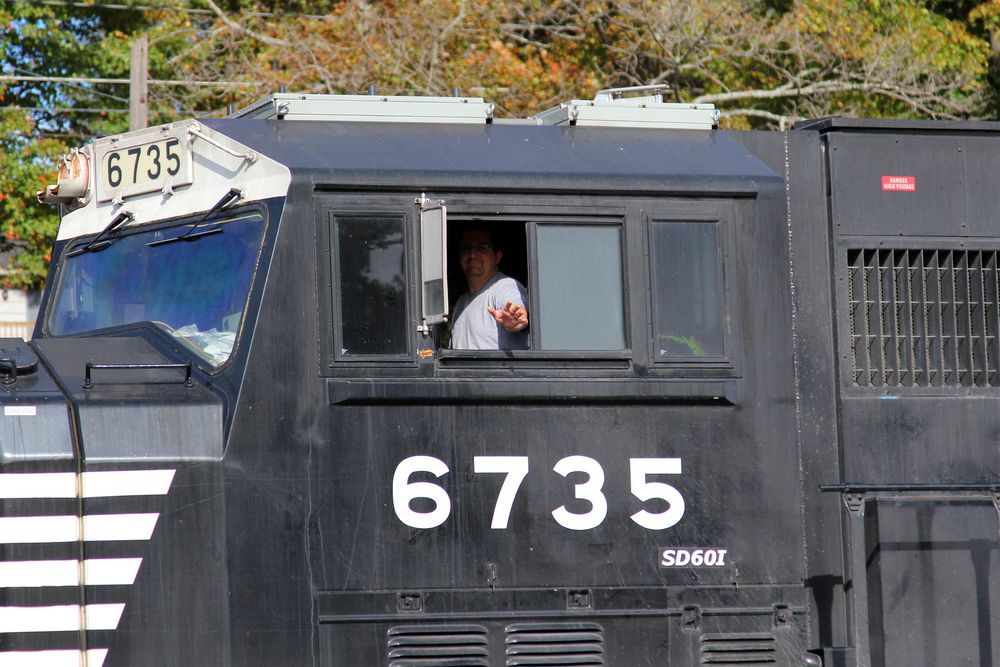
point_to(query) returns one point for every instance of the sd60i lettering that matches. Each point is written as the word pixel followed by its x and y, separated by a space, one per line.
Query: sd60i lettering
pixel 366 381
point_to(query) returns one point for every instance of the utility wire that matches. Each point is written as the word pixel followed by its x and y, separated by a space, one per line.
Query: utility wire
pixel 76 81
pixel 116 98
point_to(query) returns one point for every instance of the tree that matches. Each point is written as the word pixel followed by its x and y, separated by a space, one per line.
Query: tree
pixel 761 62
pixel 27 229
pixel 984 19
pixel 758 61
pixel 41 41
pixel 427 48
pixel 48 41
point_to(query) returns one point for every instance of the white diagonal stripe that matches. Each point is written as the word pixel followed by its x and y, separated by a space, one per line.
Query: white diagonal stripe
pixel 39 573
pixel 102 484
pixel 95 658
pixel 110 571
pixel 38 485
pixel 97 572
pixel 65 618
pixel 114 527
pixel 39 529
pixel 96 528
pixel 127 483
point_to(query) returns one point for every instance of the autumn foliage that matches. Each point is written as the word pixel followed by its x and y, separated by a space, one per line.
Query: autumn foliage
pixel 27 230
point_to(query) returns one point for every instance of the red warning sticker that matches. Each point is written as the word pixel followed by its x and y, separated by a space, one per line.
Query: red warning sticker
pixel 899 183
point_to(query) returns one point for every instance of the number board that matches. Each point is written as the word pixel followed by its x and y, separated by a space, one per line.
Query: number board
pixel 136 165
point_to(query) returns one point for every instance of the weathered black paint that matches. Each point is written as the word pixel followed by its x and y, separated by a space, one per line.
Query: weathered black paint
pixel 278 543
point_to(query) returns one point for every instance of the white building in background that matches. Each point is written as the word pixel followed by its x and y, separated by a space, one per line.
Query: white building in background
pixel 18 310
pixel 18 307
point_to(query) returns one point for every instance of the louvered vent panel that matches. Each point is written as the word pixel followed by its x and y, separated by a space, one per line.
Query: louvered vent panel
pixel 438 646
pixel 924 318
pixel 567 644
pixel 738 650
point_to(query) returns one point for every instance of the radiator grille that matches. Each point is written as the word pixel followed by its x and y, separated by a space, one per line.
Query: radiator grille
pixel 566 644
pixel 738 650
pixel 923 318
pixel 438 646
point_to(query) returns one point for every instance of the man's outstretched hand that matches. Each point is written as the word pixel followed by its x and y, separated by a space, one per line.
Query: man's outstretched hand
pixel 513 317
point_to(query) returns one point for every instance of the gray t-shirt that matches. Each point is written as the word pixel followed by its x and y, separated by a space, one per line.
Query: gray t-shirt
pixel 473 328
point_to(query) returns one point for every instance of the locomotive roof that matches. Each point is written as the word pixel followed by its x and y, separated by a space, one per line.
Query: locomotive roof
pixel 499 157
pixel 898 125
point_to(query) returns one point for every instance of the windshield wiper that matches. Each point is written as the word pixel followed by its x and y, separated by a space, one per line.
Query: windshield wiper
pixel 97 244
pixel 189 235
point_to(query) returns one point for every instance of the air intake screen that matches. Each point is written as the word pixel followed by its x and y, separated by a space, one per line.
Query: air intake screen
pixel 738 650
pixel 923 318
pixel 438 646
pixel 567 644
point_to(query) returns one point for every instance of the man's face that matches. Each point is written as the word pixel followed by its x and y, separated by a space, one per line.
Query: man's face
pixel 477 256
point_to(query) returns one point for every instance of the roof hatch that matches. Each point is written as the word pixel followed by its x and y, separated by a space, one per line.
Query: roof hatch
pixel 370 108
pixel 638 106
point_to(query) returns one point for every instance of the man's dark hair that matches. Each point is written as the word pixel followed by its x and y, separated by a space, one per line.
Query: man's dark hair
pixel 496 236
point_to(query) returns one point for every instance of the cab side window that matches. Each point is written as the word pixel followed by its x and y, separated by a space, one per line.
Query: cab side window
pixel 644 286
pixel 688 297
pixel 370 274
pixel 580 287
pixel 574 276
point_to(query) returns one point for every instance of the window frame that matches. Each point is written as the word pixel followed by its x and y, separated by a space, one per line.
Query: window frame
pixel 722 214
pixel 532 215
pixel 263 207
pixel 427 207
pixel 425 361
pixel 534 295
pixel 330 242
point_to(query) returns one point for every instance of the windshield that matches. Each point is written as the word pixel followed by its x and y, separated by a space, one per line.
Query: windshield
pixel 196 290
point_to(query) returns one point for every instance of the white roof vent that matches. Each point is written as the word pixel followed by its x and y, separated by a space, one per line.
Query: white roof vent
pixel 370 108
pixel 638 106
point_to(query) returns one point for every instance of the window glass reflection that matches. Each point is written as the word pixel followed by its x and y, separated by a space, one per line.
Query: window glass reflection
pixel 688 290
pixel 196 290
pixel 371 285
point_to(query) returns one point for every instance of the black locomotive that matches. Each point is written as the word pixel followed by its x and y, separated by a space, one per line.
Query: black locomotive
pixel 756 422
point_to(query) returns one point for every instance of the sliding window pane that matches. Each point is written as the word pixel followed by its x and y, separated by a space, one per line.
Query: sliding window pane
pixel 580 288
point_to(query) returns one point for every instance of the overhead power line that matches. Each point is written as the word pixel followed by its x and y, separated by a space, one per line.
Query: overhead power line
pixel 88 90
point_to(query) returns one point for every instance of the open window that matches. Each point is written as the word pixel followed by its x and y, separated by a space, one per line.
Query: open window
pixel 572 272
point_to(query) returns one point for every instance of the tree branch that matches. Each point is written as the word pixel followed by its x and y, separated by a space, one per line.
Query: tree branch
pixel 789 90
pixel 780 119
pixel 271 41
